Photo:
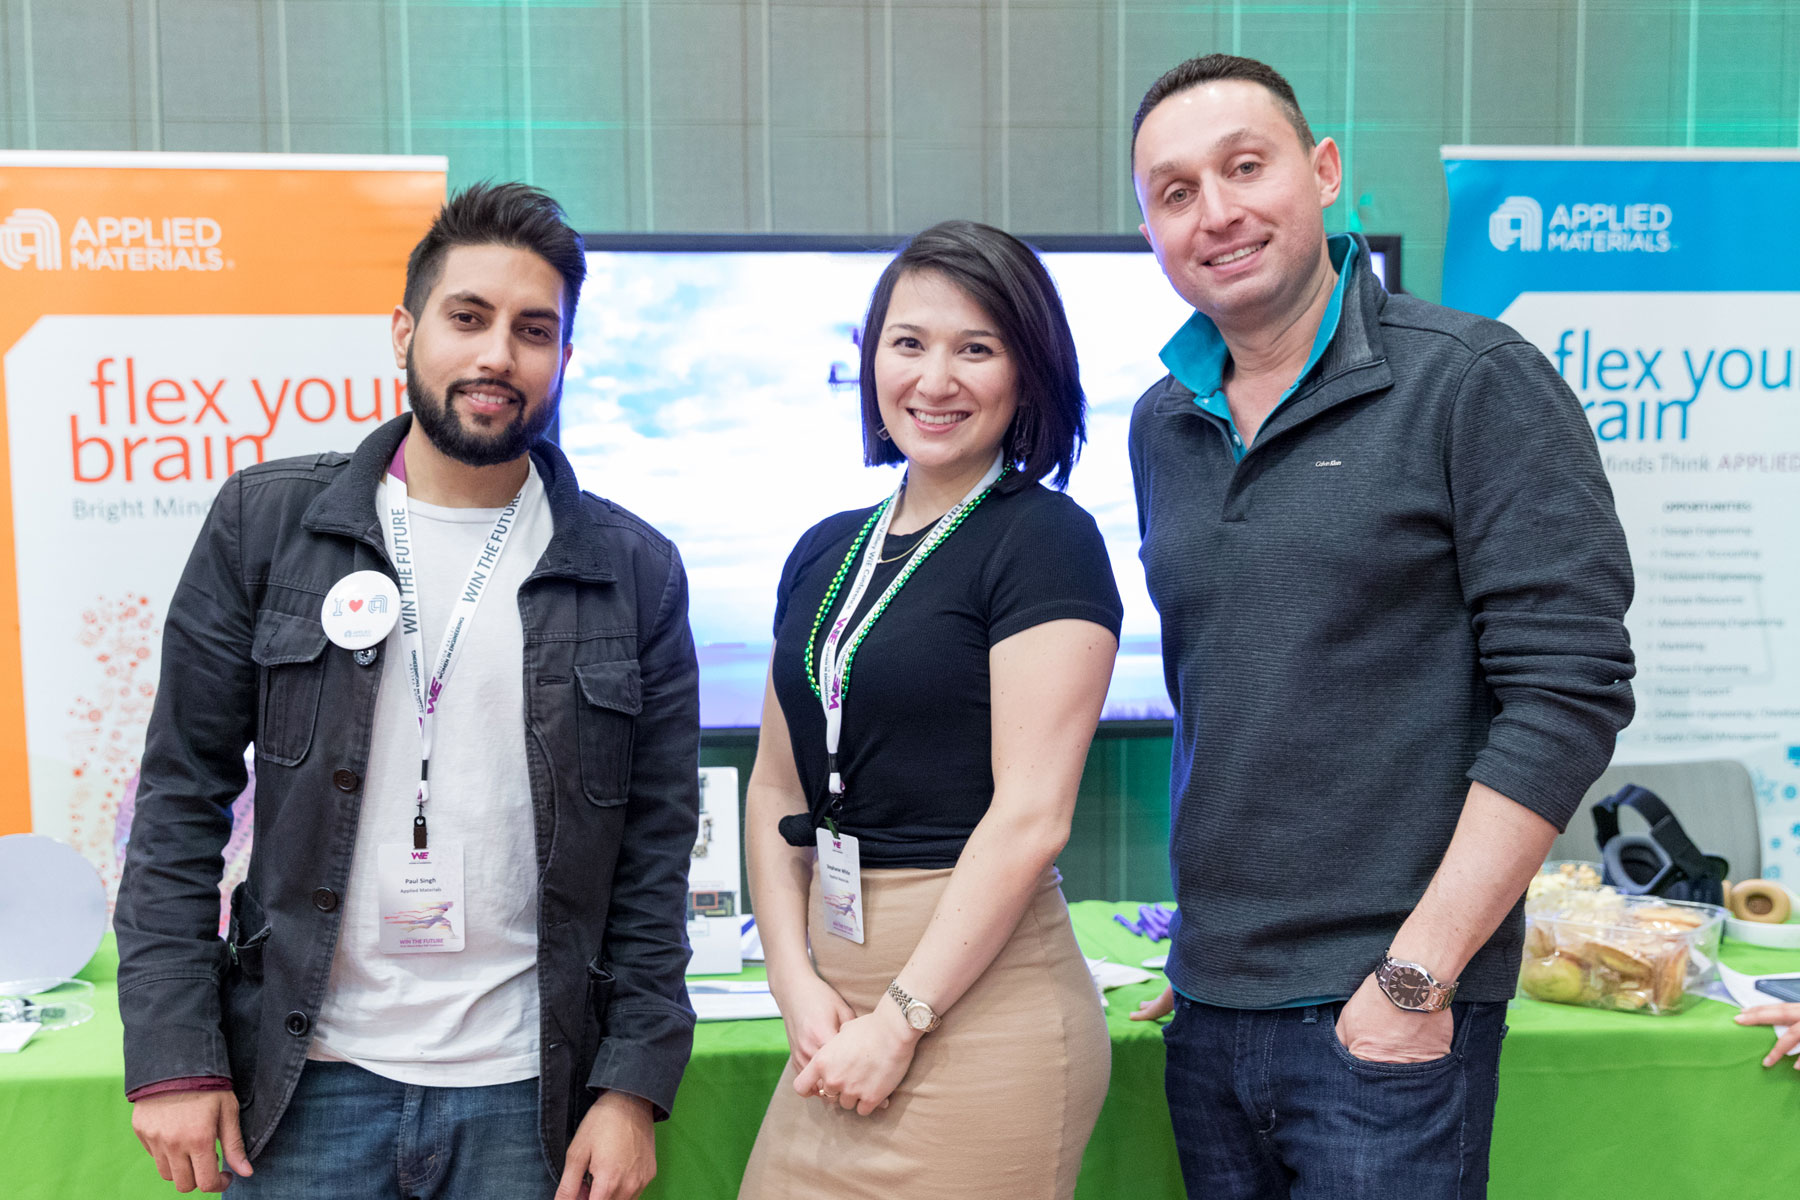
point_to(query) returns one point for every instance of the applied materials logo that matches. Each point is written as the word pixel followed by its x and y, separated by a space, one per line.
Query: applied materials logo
pixel 1518 223
pixel 1520 220
pixel 31 236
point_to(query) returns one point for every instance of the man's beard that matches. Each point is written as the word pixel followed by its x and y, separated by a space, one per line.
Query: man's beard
pixel 476 447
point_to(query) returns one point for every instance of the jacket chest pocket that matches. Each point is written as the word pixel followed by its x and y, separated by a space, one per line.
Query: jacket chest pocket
pixel 289 651
pixel 612 695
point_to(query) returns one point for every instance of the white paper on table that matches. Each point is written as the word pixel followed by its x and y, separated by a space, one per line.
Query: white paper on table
pixel 1110 975
pixel 1741 989
pixel 14 1035
pixel 734 987
pixel 732 1000
pixel 714 945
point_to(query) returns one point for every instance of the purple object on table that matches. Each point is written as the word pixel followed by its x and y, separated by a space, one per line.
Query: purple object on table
pixel 1153 921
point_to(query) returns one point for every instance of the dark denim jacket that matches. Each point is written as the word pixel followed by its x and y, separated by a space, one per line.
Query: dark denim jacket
pixel 612 743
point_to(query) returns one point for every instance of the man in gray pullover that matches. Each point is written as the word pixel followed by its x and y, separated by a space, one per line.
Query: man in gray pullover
pixel 1392 587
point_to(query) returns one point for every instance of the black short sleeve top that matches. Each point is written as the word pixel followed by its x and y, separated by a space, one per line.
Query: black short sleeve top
pixel 916 749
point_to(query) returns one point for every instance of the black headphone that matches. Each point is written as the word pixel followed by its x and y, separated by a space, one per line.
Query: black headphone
pixel 1664 862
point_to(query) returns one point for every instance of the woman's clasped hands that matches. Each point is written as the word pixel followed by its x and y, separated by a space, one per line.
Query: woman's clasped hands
pixel 813 1012
pixel 843 1059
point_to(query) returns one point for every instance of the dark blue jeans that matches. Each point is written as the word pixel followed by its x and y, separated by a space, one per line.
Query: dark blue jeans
pixel 1268 1105
pixel 348 1132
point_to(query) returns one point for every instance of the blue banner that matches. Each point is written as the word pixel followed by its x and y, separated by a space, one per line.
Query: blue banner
pixel 1664 285
pixel 1633 225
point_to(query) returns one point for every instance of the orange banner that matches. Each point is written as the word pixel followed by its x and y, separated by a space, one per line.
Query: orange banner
pixel 165 320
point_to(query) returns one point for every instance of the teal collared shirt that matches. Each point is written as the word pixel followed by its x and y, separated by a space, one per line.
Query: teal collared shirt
pixel 1196 355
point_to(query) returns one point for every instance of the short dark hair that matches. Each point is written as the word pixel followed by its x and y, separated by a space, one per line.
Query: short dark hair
pixel 1212 68
pixel 505 214
pixel 1004 277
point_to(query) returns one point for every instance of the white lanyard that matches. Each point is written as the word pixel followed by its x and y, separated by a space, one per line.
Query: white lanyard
pixel 834 673
pixel 396 531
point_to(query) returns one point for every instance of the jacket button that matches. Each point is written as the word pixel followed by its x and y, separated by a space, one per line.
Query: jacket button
pixel 366 656
pixel 345 779
pixel 297 1024
pixel 324 899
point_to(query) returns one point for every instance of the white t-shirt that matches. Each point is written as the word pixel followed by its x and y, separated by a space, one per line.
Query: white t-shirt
pixel 470 1018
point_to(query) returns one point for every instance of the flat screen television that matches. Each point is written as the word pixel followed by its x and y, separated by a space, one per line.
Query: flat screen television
pixel 713 391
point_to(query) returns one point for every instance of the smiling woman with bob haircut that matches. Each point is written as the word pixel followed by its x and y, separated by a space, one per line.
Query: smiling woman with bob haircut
pixel 957 641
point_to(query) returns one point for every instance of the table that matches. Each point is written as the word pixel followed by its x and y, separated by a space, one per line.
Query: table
pixel 1598 1105
pixel 64 1120
pixel 1592 1104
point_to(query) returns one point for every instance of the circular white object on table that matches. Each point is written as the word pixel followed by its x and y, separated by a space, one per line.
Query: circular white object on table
pixel 52 908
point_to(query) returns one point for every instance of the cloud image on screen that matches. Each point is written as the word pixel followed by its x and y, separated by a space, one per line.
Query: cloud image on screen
pixel 714 394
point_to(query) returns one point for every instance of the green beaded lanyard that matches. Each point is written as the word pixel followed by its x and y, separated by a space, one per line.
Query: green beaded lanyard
pixel 837 582
pixel 878 520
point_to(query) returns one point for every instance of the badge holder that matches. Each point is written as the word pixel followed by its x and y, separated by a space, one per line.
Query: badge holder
pixel 840 877
pixel 840 882
pixel 421 895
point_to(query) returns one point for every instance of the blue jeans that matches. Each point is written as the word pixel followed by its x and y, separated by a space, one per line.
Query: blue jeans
pixel 348 1132
pixel 1268 1105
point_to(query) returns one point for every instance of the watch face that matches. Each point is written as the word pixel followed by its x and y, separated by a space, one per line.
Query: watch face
pixel 918 1016
pixel 1408 986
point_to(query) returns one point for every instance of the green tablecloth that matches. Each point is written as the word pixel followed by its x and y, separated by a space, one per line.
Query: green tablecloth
pixel 1592 1104
pixel 64 1120
pixel 1598 1104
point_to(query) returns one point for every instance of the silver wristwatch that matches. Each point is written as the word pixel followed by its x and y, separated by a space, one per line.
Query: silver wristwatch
pixel 918 1014
pixel 1412 987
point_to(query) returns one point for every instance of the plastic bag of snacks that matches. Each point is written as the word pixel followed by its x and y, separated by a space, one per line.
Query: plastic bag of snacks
pixel 1594 947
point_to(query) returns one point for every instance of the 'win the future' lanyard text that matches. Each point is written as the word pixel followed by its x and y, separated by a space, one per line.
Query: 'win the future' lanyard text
pixel 396 531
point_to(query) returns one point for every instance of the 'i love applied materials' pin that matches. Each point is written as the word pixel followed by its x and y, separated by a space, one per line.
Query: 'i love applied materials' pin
pixel 360 609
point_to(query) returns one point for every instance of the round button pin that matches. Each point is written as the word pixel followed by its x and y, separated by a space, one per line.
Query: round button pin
pixel 360 610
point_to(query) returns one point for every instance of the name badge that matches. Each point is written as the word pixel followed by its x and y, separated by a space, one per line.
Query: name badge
pixel 840 883
pixel 360 610
pixel 421 898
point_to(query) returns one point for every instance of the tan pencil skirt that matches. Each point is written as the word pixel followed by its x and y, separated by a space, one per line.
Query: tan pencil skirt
pixel 1000 1099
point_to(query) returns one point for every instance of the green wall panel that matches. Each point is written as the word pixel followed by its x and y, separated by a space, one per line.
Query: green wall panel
pixel 814 116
